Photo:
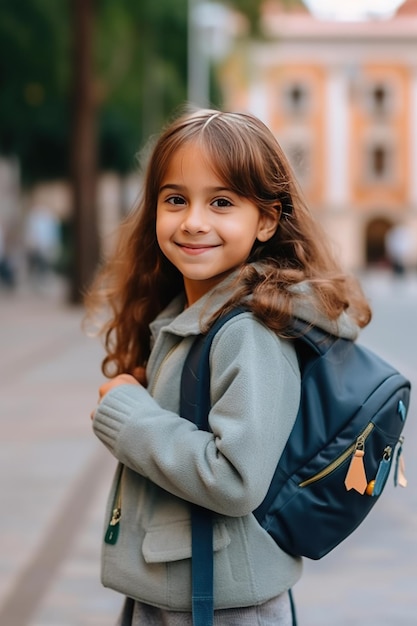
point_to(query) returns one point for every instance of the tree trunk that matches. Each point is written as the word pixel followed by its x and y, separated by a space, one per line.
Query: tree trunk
pixel 83 156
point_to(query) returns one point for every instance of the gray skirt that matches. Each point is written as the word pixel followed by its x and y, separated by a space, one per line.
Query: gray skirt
pixel 275 612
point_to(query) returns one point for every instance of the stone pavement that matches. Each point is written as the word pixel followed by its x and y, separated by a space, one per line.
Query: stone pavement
pixel 54 475
pixel 54 478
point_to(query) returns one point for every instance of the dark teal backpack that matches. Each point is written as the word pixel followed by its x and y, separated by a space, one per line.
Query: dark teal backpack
pixel 352 411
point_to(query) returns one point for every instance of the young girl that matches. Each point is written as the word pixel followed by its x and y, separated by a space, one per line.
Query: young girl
pixel 220 223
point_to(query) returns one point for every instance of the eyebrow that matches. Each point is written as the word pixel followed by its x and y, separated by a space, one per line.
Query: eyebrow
pixel 175 187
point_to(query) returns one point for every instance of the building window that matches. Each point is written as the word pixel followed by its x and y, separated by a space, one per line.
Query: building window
pixel 379 99
pixel 379 162
pixel 296 99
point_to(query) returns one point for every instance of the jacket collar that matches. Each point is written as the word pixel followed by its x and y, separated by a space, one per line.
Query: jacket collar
pixel 304 308
pixel 177 319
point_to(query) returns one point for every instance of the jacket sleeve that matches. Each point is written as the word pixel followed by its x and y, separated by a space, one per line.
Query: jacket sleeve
pixel 255 389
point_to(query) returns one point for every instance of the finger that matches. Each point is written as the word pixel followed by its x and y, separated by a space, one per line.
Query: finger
pixel 103 389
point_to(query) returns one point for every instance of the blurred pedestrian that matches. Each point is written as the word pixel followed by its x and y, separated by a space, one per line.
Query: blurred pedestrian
pixel 220 223
pixel 7 273
pixel 42 241
pixel 400 247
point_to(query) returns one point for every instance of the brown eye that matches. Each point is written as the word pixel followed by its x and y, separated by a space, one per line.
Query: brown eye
pixel 222 203
pixel 177 200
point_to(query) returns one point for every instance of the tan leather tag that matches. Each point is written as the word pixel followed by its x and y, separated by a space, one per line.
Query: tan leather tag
pixel 356 477
pixel 402 481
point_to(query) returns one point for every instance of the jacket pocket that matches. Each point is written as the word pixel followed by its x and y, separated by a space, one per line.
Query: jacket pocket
pixel 172 542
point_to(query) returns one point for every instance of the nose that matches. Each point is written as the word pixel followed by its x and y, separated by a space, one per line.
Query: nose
pixel 195 220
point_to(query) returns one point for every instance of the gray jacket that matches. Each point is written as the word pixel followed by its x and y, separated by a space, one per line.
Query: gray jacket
pixel 167 462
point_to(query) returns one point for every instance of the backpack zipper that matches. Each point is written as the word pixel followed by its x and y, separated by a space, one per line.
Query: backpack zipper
pixel 359 442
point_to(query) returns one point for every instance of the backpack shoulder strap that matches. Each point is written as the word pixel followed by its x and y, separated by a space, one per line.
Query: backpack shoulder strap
pixel 195 380
pixel 195 406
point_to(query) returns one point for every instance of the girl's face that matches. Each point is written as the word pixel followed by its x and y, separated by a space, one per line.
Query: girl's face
pixel 205 229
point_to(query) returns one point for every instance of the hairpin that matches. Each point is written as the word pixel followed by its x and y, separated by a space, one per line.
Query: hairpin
pixel 287 207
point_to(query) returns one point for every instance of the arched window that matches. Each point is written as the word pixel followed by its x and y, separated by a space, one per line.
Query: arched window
pixel 375 234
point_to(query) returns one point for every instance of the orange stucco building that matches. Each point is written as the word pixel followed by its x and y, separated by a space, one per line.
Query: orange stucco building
pixel 341 98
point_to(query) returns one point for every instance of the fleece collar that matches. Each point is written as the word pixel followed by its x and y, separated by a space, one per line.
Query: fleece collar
pixel 181 321
pixel 307 310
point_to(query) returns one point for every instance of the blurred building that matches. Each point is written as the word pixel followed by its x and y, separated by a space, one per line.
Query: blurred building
pixel 341 98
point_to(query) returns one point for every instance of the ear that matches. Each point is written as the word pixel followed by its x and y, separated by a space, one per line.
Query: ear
pixel 268 224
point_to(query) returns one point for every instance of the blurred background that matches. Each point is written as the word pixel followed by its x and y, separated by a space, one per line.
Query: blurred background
pixel 84 85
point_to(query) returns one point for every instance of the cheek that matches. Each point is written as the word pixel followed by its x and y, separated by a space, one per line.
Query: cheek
pixel 165 229
pixel 243 231
pixel 160 226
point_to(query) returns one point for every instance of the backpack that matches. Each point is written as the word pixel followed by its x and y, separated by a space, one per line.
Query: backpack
pixel 340 451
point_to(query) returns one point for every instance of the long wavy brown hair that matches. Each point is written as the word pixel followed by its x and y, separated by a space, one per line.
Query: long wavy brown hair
pixel 138 281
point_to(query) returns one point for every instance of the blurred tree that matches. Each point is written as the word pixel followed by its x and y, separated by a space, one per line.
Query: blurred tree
pixel 83 149
pixel 142 61
pixel 250 8
pixel 141 72
pixel 34 74
pixel 69 111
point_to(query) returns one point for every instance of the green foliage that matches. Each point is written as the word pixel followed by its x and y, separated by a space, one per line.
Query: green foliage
pixel 141 68
pixel 34 73
pixel 250 8
pixel 141 51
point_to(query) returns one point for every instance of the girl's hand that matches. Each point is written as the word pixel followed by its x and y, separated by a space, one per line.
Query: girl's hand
pixel 121 379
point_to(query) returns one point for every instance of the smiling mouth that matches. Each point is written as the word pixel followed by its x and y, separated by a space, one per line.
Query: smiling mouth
pixel 196 248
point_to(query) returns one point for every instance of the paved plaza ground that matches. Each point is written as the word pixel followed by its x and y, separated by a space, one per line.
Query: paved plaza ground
pixel 54 478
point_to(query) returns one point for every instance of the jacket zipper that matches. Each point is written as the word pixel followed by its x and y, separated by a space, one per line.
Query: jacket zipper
pixel 113 527
pixel 156 378
pixel 360 441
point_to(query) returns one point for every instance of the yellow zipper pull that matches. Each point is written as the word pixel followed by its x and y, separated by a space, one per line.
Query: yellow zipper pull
pixel 113 527
pixel 356 476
